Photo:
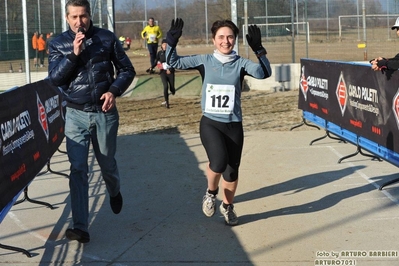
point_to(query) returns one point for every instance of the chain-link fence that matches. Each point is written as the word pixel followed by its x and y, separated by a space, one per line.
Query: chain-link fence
pixel 351 30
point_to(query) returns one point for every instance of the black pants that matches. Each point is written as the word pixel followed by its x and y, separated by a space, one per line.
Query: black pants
pixel 168 82
pixel 41 56
pixel 223 143
pixel 152 49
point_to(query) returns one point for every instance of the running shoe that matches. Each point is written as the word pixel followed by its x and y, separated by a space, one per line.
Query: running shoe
pixel 229 214
pixel 208 204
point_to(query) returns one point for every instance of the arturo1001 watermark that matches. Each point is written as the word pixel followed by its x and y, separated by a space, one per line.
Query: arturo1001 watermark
pixel 352 257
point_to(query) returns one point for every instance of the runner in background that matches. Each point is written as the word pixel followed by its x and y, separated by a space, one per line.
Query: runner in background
pixel 128 42
pixel 167 74
pixel 152 34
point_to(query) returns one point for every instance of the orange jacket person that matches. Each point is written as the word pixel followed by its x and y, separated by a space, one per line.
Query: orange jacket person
pixel 41 48
pixel 34 46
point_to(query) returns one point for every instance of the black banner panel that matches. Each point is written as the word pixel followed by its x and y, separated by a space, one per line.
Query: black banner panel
pixel 31 130
pixel 355 100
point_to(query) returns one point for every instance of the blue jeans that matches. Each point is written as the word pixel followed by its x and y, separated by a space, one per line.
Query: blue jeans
pixel 101 130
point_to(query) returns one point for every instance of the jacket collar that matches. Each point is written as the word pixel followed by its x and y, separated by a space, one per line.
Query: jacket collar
pixel 89 32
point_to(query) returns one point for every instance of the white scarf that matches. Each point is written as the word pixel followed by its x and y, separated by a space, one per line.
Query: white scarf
pixel 224 58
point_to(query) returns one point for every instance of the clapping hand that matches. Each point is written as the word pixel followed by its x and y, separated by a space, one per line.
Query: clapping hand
pixel 378 64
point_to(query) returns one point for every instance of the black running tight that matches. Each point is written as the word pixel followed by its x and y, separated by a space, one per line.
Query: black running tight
pixel 168 83
pixel 223 143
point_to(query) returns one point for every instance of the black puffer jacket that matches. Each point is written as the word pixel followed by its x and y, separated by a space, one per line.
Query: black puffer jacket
pixel 86 77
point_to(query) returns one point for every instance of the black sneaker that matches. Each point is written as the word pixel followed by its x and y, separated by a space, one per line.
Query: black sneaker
pixel 77 234
pixel 116 203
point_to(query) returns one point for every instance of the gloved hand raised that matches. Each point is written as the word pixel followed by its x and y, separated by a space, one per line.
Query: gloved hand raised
pixel 254 39
pixel 175 32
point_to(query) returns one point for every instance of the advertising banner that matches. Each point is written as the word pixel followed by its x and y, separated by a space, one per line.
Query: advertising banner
pixel 354 97
pixel 31 130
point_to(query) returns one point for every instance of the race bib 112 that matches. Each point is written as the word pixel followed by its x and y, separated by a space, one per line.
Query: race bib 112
pixel 219 99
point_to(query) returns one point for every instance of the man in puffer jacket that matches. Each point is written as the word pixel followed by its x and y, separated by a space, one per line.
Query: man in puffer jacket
pixel 82 62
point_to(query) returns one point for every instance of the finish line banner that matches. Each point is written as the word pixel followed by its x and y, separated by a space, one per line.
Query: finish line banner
pixel 354 97
pixel 31 130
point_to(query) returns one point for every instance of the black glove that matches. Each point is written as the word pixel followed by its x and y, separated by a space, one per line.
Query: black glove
pixel 175 32
pixel 254 39
pixel 382 63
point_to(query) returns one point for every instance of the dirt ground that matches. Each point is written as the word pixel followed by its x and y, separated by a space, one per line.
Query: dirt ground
pixel 262 110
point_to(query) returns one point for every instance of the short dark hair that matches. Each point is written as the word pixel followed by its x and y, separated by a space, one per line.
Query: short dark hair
pixel 224 23
pixel 83 3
